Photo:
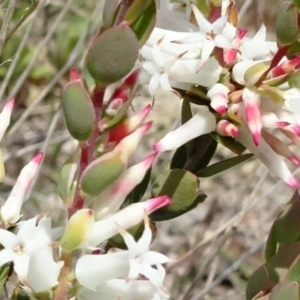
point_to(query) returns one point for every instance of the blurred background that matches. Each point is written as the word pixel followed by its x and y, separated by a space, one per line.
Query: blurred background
pixel 215 248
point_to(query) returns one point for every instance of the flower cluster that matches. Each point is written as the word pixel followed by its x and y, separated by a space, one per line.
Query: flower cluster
pixel 37 251
pixel 247 83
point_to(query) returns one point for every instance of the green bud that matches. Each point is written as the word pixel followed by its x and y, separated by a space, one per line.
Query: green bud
pixel 287 23
pixel 253 74
pixel 78 111
pixel 65 183
pixel 77 230
pixel 112 55
pixel 102 172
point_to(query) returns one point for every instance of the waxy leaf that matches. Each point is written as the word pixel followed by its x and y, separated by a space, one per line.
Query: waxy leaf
pixel 285 290
pixel 78 111
pixel 101 173
pixel 259 281
pixel 287 23
pixel 136 9
pixel 182 186
pixel 112 55
pixel 145 23
pixel 286 229
pixel 66 179
pixel 109 13
pixel 229 143
pixel 223 165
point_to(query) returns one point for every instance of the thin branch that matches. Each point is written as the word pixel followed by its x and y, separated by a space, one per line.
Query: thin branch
pixel 39 49
pixel 4 28
pixel 231 269
pixel 73 56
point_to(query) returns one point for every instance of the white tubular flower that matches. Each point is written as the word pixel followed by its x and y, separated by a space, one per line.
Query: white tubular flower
pixel 5 117
pixel 116 289
pixel 126 218
pixel 30 251
pixel 268 157
pixel 201 123
pixel 94 270
pixel 10 211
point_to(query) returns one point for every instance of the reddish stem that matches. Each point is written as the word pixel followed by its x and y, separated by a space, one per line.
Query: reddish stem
pixel 87 150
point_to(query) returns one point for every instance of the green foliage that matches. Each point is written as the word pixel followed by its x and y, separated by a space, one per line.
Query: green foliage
pixel 78 111
pixel 101 173
pixel 112 55
pixel 279 277
pixel 182 186
pixel 287 30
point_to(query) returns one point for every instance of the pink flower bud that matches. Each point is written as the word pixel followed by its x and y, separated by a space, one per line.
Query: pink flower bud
pixel 287 67
pixel 10 211
pixel 218 95
pixel 226 128
pixel 251 100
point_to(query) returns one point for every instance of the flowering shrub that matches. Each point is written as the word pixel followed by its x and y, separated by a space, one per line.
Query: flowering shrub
pixel 246 91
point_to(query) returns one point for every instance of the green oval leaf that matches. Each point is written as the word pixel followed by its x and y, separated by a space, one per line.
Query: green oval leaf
pixel 101 173
pixel 112 55
pixel 182 186
pixel 78 111
pixel 259 281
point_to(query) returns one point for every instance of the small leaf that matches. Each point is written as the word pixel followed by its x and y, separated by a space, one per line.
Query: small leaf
pixel 280 263
pixel 145 23
pixel 271 245
pixel 66 179
pixel 223 165
pixel 136 9
pixel 229 143
pixel 101 173
pixel 4 274
pixel 165 214
pixel 259 281
pixel 109 13
pixel 112 55
pixel 182 186
pixel 287 23
pixel 285 290
pixel 294 81
pixel 293 273
pixel 287 226
pixel 78 111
